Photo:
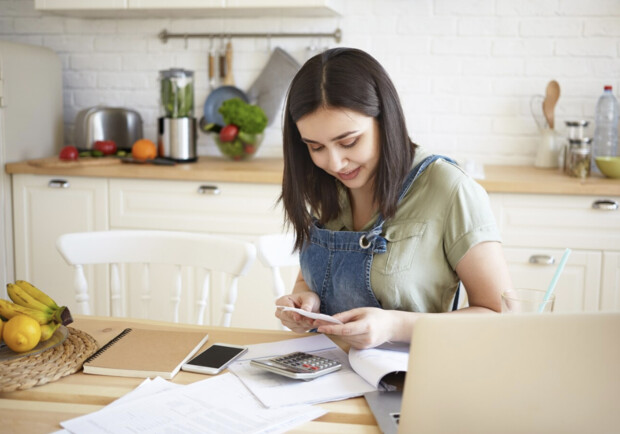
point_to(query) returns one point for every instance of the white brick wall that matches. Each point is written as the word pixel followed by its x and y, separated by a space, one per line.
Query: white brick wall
pixel 465 69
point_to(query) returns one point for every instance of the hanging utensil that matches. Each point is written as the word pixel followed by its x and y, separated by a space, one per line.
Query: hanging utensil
pixel 222 61
pixel 228 56
pixel 211 57
pixel 225 91
pixel 552 95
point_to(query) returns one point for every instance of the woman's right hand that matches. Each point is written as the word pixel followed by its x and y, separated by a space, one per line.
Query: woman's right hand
pixel 306 300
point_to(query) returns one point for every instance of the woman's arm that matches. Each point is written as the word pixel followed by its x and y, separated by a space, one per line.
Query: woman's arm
pixel 484 273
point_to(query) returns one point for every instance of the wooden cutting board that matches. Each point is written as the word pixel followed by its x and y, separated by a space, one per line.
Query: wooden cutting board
pixel 81 162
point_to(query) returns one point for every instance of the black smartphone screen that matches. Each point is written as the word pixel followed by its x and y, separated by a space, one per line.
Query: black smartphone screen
pixel 215 356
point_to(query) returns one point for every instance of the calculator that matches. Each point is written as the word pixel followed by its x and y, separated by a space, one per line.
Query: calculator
pixel 298 365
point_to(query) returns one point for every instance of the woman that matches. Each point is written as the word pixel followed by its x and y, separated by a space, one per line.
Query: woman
pixel 386 231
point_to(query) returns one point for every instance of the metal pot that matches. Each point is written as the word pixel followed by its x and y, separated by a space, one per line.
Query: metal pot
pixel 122 125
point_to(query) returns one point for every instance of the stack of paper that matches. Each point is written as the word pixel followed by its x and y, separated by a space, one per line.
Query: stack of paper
pixel 217 405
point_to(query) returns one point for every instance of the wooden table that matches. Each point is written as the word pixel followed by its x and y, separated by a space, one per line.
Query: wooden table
pixel 41 409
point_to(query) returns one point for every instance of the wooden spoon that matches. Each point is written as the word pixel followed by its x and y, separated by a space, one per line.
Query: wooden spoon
pixel 552 95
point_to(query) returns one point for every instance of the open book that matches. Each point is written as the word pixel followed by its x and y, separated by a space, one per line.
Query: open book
pixel 376 364
pixel 362 371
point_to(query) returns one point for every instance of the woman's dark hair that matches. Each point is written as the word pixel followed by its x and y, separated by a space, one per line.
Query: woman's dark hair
pixel 351 79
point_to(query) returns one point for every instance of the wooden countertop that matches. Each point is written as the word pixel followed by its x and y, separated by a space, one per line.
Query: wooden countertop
pixel 498 179
pixel 259 170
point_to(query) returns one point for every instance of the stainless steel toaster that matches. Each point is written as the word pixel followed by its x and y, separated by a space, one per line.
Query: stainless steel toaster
pixel 122 125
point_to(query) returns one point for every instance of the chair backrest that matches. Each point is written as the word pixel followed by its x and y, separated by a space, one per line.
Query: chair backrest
pixel 276 251
pixel 209 252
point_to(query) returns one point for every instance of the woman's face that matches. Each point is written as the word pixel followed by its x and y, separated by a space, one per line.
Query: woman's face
pixel 344 143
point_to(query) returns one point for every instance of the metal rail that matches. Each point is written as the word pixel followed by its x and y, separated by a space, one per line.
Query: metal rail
pixel 164 35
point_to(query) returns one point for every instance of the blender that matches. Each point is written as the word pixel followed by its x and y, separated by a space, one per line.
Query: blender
pixel 177 124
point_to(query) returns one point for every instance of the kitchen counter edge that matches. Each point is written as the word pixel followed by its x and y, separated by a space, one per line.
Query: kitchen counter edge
pixel 498 179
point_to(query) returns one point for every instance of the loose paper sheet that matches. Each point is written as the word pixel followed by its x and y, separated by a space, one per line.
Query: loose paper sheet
pixel 216 405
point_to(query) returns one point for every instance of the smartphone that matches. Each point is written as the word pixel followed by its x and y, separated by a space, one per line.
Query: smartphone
pixel 214 359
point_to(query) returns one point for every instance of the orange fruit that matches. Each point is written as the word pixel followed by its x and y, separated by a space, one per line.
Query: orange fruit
pixel 144 149
pixel 21 333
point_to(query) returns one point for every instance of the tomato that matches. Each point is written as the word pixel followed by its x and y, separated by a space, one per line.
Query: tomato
pixel 249 149
pixel 108 147
pixel 69 153
pixel 229 133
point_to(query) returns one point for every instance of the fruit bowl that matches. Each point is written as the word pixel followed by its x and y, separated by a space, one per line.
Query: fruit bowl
pixel 243 147
pixel 609 166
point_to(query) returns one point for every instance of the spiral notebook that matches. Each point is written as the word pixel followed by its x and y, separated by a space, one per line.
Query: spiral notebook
pixel 145 353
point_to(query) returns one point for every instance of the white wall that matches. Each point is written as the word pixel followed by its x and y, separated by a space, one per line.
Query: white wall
pixel 466 69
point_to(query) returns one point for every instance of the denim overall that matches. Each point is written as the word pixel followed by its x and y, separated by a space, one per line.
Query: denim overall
pixel 336 264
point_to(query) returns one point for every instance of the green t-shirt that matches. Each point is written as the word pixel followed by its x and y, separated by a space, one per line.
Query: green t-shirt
pixel 444 214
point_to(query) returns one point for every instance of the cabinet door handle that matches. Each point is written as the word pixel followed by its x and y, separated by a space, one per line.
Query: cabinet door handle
pixel 58 183
pixel 209 189
pixel 542 259
pixel 605 204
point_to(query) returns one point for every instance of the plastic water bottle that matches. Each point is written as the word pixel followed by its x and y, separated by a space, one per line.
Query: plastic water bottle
pixel 606 127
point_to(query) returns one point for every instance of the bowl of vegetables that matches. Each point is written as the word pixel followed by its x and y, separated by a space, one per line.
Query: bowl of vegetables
pixel 242 133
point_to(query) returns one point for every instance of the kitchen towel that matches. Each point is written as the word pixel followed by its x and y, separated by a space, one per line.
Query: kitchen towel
pixel 271 85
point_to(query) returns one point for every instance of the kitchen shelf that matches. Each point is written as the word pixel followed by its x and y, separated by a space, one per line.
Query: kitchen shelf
pixel 190 8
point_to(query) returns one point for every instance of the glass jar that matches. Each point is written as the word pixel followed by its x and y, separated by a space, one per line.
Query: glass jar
pixel 579 160
pixel 573 144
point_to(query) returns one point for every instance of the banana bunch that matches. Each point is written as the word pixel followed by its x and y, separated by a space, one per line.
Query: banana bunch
pixel 30 300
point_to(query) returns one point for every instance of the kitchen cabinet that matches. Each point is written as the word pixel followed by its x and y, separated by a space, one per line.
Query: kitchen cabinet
pixel 190 8
pixel 610 295
pixel 46 207
pixel 536 228
pixel 51 5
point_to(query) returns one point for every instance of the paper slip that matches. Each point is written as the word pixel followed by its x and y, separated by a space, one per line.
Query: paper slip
pixel 312 315
pixel 216 405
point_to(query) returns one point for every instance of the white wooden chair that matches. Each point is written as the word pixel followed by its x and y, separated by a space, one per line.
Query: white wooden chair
pixel 276 251
pixel 209 252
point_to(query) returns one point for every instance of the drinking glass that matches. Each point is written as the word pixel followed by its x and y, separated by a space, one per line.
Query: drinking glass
pixel 526 300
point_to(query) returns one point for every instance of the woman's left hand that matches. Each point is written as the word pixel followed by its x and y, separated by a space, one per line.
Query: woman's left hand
pixel 364 327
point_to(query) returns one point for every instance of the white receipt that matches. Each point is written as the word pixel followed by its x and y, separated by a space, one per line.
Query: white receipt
pixel 312 315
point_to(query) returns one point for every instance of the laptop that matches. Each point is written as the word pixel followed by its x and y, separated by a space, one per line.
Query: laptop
pixel 508 373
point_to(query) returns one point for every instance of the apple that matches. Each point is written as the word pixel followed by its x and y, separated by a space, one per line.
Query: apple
pixel 69 153
pixel 108 147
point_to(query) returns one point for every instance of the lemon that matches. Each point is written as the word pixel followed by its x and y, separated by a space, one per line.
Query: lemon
pixel 21 333
pixel 1 326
